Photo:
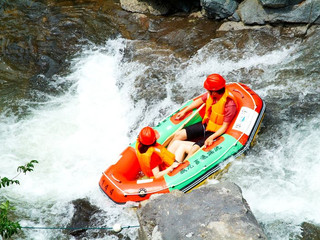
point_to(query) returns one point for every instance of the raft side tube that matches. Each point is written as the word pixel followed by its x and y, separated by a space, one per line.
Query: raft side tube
pixel 220 164
pixel 121 183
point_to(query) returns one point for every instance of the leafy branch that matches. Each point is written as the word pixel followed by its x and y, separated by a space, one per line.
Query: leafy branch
pixel 5 182
pixel 8 227
pixel 28 167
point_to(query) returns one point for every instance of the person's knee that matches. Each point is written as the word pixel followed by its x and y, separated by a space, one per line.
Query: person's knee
pixel 194 148
pixel 180 135
pixel 174 145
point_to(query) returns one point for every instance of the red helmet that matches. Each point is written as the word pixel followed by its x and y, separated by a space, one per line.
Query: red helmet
pixel 147 136
pixel 214 82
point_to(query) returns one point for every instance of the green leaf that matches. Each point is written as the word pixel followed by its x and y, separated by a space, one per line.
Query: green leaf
pixel 8 227
pixel 27 167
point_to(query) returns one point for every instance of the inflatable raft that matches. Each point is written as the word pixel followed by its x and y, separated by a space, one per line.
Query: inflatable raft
pixel 121 181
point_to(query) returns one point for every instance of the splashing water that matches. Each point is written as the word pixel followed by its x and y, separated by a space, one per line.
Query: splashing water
pixel 77 135
pixel 73 136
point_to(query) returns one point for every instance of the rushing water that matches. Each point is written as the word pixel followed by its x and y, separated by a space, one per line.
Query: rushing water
pixel 117 88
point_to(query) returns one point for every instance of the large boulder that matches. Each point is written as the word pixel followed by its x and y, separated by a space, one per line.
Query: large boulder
pixel 212 212
pixel 253 12
pixel 83 211
pixel 279 3
pixel 219 9
pixel 310 231
pixel 250 12
pixel 154 7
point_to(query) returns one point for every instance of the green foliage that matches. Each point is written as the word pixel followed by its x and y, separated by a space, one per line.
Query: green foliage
pixel 28 167
pixel 8 227
pixel 5 182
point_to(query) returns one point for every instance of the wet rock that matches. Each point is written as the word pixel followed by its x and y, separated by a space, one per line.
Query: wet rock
pixel 142 20
pixel 295 31
pixel 154 7
pixel 83 211
pixel 152 87
pixel 310 231
pixel 249 11
pixel 36 38
pixel 48 66
pixel 235 17
pixel 291 31
pixel 186 36
pixel 274 3
pixel 212 212
pixel 219 9
pixel 238 26
pixel 253 12
pixel 198 14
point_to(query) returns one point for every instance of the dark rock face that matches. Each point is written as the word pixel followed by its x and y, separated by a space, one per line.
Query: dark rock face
pixel 249 11
pixel 154 7
pixel 274 3
pixel 279 3
pixel 36 37
pixel 159 7
pixel 212 212
pixel 81 218
pixel 310 231
pixel 219 9
pixel 253 12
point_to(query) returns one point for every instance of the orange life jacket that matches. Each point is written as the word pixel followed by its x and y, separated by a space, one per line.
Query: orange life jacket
pixel 153 154
pixel 215 112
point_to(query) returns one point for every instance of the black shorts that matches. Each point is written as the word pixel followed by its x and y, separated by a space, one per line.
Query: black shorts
pixel 197 133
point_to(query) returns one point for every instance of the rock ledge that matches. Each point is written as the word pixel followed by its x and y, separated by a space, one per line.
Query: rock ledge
pixel 212 212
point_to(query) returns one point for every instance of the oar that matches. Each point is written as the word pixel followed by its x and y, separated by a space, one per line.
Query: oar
pixel 168 140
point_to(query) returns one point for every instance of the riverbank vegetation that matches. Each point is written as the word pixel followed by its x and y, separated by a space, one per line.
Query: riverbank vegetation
pixel 7 226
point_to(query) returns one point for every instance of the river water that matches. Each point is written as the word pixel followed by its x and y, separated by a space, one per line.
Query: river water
pixel 112 89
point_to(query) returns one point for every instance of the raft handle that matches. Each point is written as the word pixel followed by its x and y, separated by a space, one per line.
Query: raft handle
pixel 236 90
pixel 115 178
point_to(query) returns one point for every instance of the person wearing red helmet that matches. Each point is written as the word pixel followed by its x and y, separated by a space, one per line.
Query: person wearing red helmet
pixel 154 159
pixel 220 110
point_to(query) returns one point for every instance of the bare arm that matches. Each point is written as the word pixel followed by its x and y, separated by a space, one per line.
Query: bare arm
pixel 218 133
pixel 157 173
pixel 193 105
